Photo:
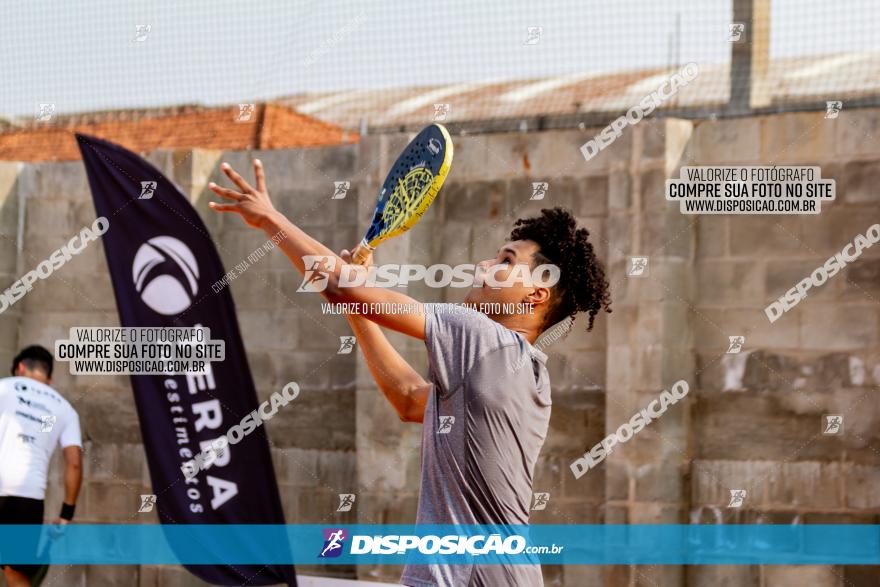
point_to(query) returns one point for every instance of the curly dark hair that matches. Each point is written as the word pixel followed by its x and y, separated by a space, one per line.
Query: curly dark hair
pixel 582 286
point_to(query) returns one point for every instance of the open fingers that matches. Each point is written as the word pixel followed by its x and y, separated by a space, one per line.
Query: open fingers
pixel 236 178
pixel 223 207
pixel 260 175
pixel 225 192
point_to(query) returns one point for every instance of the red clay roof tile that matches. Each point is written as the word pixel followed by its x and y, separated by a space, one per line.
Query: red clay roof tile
pixel 271 126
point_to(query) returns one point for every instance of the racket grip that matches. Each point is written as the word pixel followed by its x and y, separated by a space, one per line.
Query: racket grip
pixel 361 253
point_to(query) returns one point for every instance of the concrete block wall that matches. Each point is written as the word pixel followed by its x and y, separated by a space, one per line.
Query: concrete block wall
pixel 710 277
pixel 649 343
pixel 9 255
pixel 758 415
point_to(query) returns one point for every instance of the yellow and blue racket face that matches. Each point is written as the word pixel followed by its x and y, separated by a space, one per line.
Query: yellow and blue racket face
pixel 412 184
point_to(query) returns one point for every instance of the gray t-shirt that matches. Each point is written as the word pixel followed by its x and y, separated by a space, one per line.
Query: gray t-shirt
pixel 477 468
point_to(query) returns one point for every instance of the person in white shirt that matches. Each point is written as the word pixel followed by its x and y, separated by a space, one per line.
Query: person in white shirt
pixel 34 418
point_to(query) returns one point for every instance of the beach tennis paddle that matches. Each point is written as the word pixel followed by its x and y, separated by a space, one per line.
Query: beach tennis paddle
pixel 410 188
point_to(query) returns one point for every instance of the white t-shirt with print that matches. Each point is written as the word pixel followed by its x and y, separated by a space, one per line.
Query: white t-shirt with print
pixel 34 418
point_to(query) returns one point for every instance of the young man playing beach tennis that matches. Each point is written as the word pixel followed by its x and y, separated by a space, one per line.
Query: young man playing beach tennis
pixel 484 371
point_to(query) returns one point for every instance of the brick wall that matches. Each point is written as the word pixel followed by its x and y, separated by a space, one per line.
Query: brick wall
pixel 710 277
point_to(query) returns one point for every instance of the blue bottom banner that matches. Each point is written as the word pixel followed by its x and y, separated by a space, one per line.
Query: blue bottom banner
pixel 114 544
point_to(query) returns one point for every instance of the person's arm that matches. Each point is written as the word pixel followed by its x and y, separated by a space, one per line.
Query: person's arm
pixel 256 209
pixel 72 477
pixel 402 385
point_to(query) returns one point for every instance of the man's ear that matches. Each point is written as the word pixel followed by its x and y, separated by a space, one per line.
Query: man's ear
pixel 539 295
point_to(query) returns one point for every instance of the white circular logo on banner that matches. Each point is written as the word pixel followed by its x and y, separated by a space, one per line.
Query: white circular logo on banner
pixel 163 292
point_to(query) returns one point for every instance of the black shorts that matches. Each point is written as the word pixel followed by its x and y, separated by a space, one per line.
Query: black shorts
pixel 21 510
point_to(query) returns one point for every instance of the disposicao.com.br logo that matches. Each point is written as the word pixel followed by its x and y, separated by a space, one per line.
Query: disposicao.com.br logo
pixel 430 544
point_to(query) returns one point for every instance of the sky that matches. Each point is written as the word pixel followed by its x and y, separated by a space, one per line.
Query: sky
pixel 84 56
